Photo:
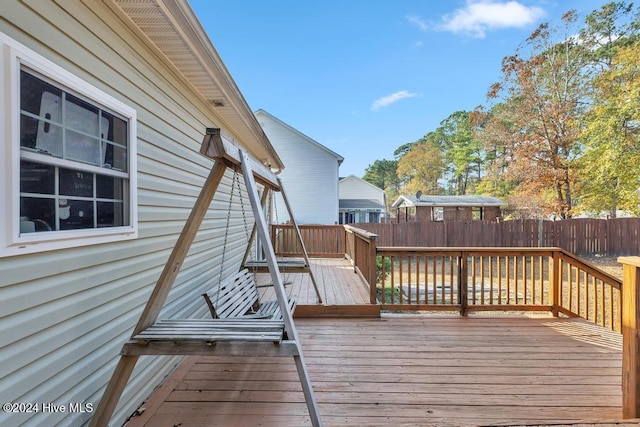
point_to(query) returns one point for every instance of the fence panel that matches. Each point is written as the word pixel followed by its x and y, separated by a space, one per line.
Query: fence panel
pixel 613 237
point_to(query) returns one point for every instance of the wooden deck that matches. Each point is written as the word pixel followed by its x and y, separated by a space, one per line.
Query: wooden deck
pixel 343 292
pixel 409 370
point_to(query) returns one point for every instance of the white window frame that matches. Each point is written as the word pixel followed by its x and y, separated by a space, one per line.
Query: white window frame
pixel 13 56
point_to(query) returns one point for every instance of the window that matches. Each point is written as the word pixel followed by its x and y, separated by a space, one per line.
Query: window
pixel 72 159
pixel 437 214
pixel 477 213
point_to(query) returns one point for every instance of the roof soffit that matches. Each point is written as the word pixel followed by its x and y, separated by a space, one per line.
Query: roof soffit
pixel 172 30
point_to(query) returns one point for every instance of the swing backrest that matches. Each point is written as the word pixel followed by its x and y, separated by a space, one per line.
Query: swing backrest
pixel 233 297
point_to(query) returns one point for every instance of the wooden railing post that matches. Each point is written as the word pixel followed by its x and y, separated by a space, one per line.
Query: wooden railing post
pixel 354 249
pixel 463 287
pixel 555 280
pixel 373 279
pixel 630 337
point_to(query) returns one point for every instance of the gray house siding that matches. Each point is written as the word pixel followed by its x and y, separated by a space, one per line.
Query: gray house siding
pixel 65 314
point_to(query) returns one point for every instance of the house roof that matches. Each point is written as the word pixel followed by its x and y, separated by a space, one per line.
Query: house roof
pixel 353 177
pixel 360 204
pixel 262 112
pixel 442 201
pixel 171 28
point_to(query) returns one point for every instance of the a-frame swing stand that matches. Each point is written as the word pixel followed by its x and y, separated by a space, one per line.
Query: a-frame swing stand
pixel 235 337
pixel 285 266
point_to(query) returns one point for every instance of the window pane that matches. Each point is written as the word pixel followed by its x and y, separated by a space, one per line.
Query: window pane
pixel 35 93
pixel 115 157
pixel 110 214
pixel 116 128
pixel 83 148
pixel 37 178
pixel 82 116
pixel 108 187
pixel 28 131
pixel 74 183
pixel 75 214
pixel 36 214
pixel 43 100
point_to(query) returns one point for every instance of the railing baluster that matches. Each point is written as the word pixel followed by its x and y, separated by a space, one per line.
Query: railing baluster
pixel 579 291
pixel 435 280
pixel 463 286
pixel 499 258
pixel 491 280
pixel 473 279
pixel 451 280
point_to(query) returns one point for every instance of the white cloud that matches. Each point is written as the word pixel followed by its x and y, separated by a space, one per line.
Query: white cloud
pixel 478 16
pixel 390 99
pixel 418 22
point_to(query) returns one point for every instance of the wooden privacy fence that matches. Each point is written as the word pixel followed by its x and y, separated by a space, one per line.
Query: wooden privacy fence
pixel 619 236
pixel 321 241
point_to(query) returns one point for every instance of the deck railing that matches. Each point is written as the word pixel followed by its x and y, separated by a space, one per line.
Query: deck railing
pixel 490 279
pixel 464 279
pixel 360 249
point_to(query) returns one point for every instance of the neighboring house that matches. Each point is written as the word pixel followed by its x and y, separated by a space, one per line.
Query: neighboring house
pixel 360 201
pixel 447 208
pixel 310 178
pixel 104 107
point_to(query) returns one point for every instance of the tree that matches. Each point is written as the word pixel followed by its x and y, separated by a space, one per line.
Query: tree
pixel 463 152
pixel 607 180
pixel 421 167
pixel 542 95
pixel 382 174
pixel 491 128
pixel 609 173
pixel 607 29
pixel 404 149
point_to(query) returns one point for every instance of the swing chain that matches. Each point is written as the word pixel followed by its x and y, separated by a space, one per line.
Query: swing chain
pixel 226 232
pixel 244 213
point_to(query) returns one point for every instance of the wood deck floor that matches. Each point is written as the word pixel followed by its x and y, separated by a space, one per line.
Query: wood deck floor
pixel 408 370
pixel 343 292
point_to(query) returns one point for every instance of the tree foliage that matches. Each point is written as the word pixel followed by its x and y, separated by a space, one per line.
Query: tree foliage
pixel 609 169
pixel 382 174
pixel 421 167
pixel 463 153
pixel 543 96
pixel 561 135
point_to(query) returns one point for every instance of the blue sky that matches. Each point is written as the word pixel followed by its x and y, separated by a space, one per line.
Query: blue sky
pixel 363 77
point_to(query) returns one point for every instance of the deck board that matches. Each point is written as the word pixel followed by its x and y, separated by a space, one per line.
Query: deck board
pixel 337 282
pixel 409 370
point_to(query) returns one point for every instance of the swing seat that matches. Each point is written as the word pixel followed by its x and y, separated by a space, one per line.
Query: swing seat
pixel 224 337
pixel 238 297
pixel 285 266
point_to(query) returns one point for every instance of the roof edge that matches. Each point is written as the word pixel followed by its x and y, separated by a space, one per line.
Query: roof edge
pixel 313 141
